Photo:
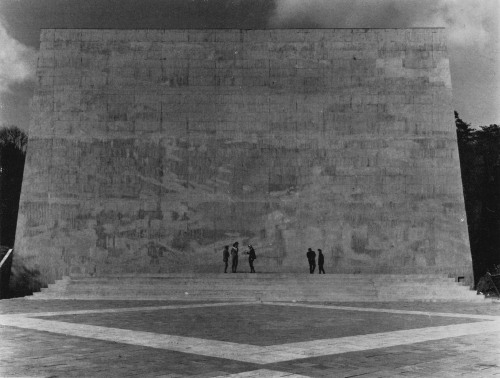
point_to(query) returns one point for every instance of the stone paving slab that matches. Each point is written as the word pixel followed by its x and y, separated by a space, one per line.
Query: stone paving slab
pixel 31 353
pixel 263 373
pixel 476 356
pixel 23 305
pixel 465 345
pixel 283 323
pixel 486 308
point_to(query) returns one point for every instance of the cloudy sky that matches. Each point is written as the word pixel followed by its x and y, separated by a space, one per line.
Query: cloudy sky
pixel 473 34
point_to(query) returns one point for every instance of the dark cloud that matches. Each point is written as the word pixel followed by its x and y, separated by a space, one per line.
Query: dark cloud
pixel 26 17
pixel 21 21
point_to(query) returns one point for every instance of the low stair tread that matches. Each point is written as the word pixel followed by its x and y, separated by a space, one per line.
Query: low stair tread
pixel 263 274
pixel 282 286
pixel 208 291
pixel 263 297
pixel 266 281
pixel 282 290
pixel 269 287
pixel 261 278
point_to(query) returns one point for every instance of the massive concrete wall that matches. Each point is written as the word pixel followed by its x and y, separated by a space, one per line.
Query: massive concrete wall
pixel 149 150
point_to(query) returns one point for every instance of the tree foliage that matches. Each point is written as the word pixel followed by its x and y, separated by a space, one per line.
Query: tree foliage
pixel 13 142
pixel 13 137
pixel 479 151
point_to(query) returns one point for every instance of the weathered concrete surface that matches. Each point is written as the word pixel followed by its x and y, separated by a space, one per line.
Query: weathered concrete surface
pixel 150 150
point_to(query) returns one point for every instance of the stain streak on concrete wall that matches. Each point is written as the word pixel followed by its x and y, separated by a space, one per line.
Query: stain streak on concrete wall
pixel 150 150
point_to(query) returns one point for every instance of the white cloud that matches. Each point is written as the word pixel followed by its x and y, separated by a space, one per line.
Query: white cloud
pixel 468 21
pixel 17 61
pixel 473 38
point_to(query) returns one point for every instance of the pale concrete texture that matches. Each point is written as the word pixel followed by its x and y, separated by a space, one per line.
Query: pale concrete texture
pixel 150 150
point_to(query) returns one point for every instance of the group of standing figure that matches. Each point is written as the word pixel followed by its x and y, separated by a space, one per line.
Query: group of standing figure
pixel 234 257
pixel 311 257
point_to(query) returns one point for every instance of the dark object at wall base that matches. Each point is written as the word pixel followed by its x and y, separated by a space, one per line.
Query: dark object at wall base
pixel 489 284
pixel 5 272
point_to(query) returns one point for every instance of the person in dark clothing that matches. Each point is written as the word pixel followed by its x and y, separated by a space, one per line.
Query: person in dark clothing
pixel 225 257
pixel 321 261
pixel 251 257
pixel 311 258
pixel 234 257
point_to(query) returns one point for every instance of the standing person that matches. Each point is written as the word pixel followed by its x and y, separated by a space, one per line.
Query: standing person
pixel 321 261
pixel 311 258
pixel 225 257
pixel 251 257
pixel 234 257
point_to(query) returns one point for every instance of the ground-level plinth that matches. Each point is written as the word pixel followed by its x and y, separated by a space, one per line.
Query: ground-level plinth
pixel 275 287
pixel 150 150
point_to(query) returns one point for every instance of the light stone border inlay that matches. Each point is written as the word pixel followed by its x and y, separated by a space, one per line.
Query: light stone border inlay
pixel 133 309
pixel 387 310
pixel 263 373
pixel 253 353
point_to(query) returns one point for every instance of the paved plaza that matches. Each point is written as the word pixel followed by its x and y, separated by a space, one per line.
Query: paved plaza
pixel 69 338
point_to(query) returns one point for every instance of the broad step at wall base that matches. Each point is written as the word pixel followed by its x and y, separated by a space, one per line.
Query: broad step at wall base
pixel 263 287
